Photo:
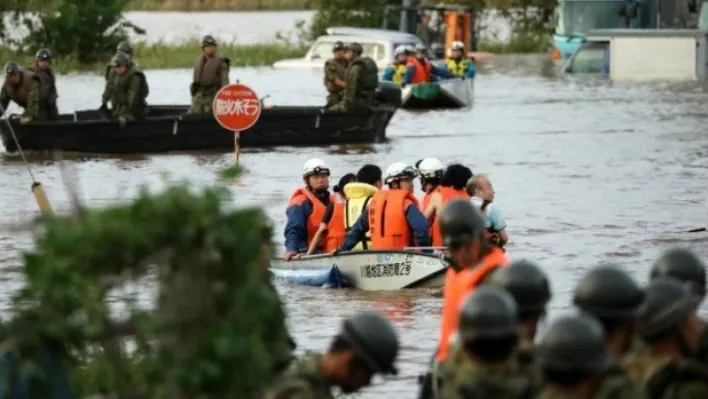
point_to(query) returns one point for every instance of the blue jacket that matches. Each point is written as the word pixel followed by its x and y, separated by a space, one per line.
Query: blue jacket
pixel 416 222
pixel 296 226
pixel 470 70
pixel 389 74
pixel 435 74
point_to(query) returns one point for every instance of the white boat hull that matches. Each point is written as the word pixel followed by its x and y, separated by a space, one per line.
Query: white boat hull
pixel 376 270
pixel 454 93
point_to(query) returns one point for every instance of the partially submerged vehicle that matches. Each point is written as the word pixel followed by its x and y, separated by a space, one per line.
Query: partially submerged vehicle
pixel 365 270
pixel 379 44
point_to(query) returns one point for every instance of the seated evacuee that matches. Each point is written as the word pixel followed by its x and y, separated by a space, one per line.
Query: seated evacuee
pixel 392 217
pixel 457 64
pixel 452 186
pixel 332 225
pixel 394 72
pixel 306 208
pixel 420 70
pixel 130 89
pixel 358 194
pixel 25 89
pixel 480 189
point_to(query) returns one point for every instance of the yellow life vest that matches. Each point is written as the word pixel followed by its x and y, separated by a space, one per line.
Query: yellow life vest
pixel 358 196
pixel 400 71
pixel 457 68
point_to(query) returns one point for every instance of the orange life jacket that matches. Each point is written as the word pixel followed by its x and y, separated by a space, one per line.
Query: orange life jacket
pixel 315 218
pixel 426 200
pixel 387 219
pixel 447 194
pixel 335 229
pixel 458 284
pixel 422 72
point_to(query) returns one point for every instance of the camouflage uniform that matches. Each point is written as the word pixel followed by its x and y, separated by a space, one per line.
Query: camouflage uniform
pixel 210 75
pixel 669 379
pixel 27 94
pixel 48 93
pixel 129 94
pixel 614 386
pixel 361 82
pixel 303 380
pixel 335 69
pixel 110 75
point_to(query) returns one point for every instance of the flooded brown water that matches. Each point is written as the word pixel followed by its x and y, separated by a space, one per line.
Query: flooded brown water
pixel 585 172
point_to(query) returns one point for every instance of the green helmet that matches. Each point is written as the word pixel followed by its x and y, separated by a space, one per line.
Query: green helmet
pixel 668 302
pixel 355 47
pixel 460 223
pixel 609 293
pixel 684 265
pixel 122 59
pixel 125 47
pixel 527 283
pixel 489 312
pixel 208 40
pixel 374 340
pixel 43 55
pixel 574 344
pixel 12 68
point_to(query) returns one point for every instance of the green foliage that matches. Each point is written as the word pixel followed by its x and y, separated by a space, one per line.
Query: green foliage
pixel 87 30
pixel 218 327
pixel 359 13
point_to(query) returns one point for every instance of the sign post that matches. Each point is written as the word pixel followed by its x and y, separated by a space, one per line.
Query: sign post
pixel 237 108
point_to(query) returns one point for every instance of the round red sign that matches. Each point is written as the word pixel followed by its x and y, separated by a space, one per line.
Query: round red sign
pixel 236 107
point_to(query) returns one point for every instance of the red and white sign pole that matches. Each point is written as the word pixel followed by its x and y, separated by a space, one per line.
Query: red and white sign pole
pixel 237 108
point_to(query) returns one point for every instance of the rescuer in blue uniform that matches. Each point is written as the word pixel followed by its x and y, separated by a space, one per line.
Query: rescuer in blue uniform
pixel 394 72
pixel 457 65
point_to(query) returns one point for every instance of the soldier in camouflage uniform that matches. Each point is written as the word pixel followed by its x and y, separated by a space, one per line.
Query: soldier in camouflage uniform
pixel 685 266
pixel 43 70
pixel 488 337
pixel 130 89
pixel 362 79
pixel 575 363
pixel 529 286
pixel 25 89
pixel 670 330
pixel 335 72
pixel 211 73
pixel 366 345
pixel 123 48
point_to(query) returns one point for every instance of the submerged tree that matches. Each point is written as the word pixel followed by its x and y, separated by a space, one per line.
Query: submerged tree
pixel 217 329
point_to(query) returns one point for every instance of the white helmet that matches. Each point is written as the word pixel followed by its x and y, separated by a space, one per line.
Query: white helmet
pixel 410 48
pixel 315 166
pixel 431 167
pixel 402 49
pixel 457 45
pixel 397 171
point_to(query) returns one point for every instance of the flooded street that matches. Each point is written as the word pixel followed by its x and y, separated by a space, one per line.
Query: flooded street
pixel 585 172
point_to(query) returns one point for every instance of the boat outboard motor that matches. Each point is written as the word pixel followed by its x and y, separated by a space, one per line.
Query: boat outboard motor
pixel 389 94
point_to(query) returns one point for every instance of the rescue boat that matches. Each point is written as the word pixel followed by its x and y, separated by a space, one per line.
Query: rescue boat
pixel 442 94
pixel 364 270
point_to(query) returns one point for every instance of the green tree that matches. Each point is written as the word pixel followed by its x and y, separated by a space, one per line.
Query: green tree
pixel 88 30
pixel 359 13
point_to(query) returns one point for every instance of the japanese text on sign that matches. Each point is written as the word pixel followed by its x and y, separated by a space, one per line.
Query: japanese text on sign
pixel 249 107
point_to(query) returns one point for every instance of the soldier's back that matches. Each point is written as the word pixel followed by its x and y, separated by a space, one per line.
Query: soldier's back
pixel 465 380
pixel 303 380
pixel 619 385
pixel 669 379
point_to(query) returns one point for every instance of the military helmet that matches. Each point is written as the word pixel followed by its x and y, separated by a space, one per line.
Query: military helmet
pixel 489 312
pixel 527 283
pixel 374 340
pixel 668 301
pixel 355 47
pixel 43 55
pixel 122 59
pixel 684 265
pixel 460 223
pixel 337 46
pixel 12 67
pixel 124 47
pixel 608 292
pixel 574 344
pixel 208 40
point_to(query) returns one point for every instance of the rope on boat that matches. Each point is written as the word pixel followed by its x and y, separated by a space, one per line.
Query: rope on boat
pixel 39 195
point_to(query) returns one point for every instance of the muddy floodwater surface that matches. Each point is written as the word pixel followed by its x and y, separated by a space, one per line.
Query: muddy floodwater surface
pixel 585 172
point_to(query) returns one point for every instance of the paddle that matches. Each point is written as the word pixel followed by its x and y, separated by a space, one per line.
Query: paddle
pixel 39 195
pixel 698 230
